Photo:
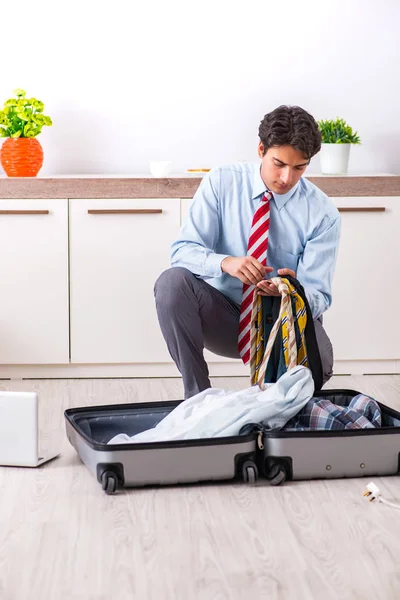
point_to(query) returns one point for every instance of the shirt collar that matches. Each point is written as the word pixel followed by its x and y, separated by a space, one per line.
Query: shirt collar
pixel 259 188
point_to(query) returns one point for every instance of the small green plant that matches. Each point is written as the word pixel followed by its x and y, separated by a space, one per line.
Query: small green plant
pixel 337 132
pixel 22 117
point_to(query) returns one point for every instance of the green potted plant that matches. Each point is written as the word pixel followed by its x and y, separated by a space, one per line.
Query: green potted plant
pixel 21 121
pixel 337 137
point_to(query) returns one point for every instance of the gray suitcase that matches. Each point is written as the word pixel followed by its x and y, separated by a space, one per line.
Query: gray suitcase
pixel 276 455
pixel 116 466
pixel 288 455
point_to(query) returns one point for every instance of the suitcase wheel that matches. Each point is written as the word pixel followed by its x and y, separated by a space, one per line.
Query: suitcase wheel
pixel 277 474
pixel 250 472
pixel 109 482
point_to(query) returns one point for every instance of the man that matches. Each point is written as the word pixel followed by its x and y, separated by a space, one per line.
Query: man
pixel 201 300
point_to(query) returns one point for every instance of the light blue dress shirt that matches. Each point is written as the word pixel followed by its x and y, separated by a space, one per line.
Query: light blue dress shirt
pixel 303 234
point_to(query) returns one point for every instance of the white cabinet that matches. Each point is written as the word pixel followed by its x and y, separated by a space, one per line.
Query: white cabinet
pixel 86 269
pixel 118 248
pixel 34 327
pixel 363 322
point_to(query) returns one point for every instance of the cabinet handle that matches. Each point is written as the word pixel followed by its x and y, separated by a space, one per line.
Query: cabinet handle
pixel 125 211
pixel 361 209
pixel 24 212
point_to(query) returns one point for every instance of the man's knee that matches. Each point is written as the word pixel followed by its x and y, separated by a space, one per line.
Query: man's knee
pixel 171 285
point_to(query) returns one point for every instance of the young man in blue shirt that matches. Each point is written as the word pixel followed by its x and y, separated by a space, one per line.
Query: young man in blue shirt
pixel 198 299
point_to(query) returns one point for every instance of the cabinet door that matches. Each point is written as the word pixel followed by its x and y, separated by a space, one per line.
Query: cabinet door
pixel 363 322
pixel 34 326
pixel 118 248
pixel 239 368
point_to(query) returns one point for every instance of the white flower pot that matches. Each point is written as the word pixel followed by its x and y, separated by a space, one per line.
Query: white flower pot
pixel 335 158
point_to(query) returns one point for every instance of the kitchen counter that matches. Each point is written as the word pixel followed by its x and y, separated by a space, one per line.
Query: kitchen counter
pixel 174 186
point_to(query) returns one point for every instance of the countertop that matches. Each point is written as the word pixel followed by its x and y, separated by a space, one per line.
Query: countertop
pixel 174 186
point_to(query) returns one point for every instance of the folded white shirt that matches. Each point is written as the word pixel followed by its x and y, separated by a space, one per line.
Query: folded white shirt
pixel 217 412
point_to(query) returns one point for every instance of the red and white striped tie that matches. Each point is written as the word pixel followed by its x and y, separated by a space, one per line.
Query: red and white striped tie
pixel 257 247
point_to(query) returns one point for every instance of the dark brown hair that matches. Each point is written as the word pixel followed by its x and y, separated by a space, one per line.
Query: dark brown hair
pixel 290 126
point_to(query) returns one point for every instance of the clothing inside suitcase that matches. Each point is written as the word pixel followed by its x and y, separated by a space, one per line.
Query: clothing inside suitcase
pixel 134 420
pixel 343 398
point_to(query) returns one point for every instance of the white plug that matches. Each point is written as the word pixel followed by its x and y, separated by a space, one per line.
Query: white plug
pixel 372 491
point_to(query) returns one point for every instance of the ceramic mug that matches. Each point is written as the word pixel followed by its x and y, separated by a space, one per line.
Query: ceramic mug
pixel 160 168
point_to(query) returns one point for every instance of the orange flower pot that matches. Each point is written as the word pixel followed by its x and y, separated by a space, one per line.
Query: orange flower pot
pixel 21 157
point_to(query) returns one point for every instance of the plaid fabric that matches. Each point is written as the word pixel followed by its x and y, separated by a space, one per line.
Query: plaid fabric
pixel 362 412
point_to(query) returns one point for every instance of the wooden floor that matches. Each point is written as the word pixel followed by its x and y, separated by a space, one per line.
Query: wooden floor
pixel 62 538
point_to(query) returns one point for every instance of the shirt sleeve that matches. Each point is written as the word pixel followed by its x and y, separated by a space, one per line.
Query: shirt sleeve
pixel 195 246
pixel 317 266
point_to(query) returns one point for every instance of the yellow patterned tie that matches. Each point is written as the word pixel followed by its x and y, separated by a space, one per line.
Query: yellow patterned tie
pixel 259 354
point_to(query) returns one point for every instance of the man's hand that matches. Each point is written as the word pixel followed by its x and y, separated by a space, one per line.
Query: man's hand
pixel 246 268
pixel 266 288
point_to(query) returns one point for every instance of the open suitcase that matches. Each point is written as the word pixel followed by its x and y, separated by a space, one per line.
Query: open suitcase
pixel 276 455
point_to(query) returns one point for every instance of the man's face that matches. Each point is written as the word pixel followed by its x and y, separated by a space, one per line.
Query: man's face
pixel 281 167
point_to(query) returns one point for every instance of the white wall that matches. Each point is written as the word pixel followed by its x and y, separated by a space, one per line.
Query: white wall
pixel 128 82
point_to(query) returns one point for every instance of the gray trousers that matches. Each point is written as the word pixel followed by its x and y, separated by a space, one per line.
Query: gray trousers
pixel 193 315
